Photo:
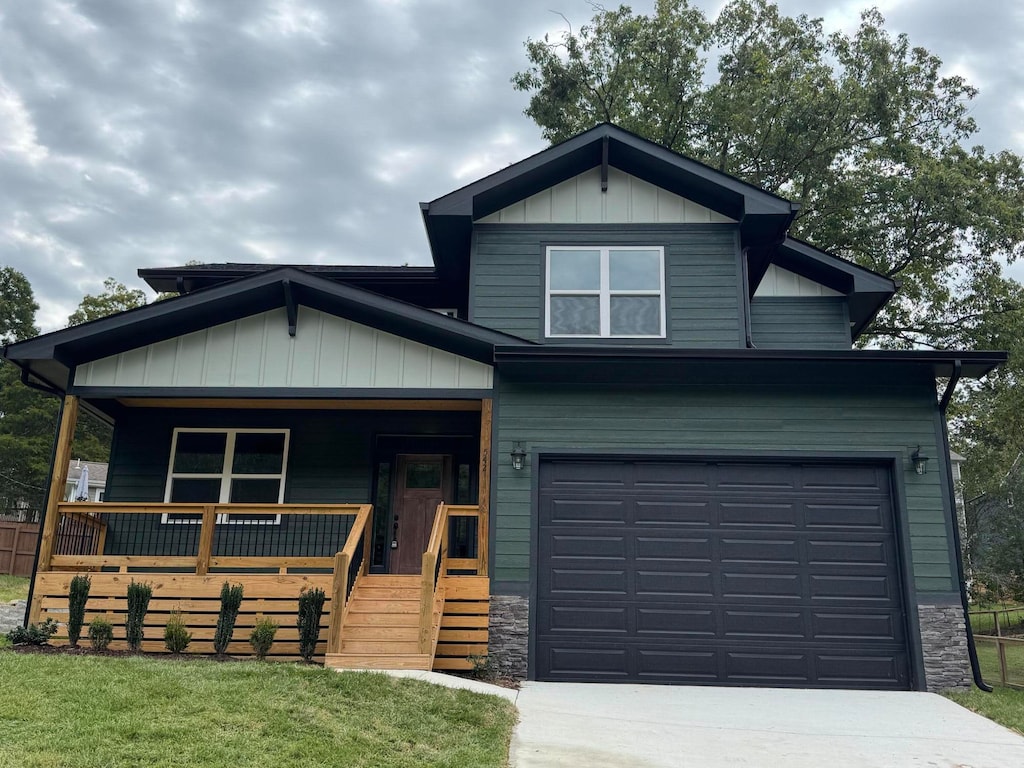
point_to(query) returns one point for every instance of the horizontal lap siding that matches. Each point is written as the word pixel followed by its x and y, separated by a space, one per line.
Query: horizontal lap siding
pixel 804 322
pixel 702 308
pixel 837 418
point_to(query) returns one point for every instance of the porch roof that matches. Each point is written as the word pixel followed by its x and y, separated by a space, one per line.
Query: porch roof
pixel 50 359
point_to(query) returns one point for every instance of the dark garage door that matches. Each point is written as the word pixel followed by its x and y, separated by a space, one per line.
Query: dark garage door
pixel 721 573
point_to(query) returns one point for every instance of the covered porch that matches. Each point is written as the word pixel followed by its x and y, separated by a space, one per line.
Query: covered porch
pixel 403 559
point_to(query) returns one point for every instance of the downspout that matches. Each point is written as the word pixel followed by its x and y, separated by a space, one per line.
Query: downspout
pixel 972 652
pixel 745 277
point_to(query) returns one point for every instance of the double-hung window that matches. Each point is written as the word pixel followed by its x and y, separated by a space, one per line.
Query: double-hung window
pixel 595 292
pixel 227 466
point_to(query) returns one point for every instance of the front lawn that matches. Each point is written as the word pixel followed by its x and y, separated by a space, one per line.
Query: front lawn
pixel 13 588
pixel 88 711
pixel 1004 705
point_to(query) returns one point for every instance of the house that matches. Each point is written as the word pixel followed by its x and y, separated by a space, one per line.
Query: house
pixel 617 432
pixel 96 477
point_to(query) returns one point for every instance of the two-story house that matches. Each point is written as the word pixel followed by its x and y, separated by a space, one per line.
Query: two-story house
pixel 618 432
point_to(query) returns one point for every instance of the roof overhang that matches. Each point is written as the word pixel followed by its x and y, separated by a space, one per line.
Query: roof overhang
pixel 764 218
pixel 50 359
pixel 662 366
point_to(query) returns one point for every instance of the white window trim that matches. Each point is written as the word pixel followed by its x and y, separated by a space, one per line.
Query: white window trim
pixel 604 293
pixel 225 475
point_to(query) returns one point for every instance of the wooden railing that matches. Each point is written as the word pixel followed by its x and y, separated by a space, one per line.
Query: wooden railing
pixel 352 562
pixel 185 538
pixel 430 583
pixel 476 566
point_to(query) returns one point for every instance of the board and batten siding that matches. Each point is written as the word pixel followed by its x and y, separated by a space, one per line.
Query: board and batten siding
pixel 702 280
pixel 781 282
pixel 628 200
pixel 256 351
pixel 806 322
pixel 841 418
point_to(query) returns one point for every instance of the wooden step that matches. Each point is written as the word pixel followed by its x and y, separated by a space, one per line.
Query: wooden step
pixel 380 647
pixel 410 632
pixel 361 605
pixel 389 580
pixel 384 593
pixel 365 619
pixel 375 661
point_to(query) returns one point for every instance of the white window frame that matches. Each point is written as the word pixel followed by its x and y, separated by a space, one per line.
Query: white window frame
pixel 225 475
pixel 604 293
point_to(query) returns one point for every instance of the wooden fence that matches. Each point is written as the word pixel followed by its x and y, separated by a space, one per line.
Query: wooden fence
pixel 1009 650
pixel 17 548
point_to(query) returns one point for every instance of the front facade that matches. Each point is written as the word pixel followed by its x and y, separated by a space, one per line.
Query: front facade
pixel 618 432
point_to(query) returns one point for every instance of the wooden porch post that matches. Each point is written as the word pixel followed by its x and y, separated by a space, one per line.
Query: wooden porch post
pixel 58 480
pixel 484 494
pixel 339 588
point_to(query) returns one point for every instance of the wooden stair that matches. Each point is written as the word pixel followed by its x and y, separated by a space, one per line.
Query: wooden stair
pixel 380 629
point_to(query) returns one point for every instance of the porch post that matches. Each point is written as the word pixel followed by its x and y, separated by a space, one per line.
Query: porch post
pixel 58 481
pixel 484 485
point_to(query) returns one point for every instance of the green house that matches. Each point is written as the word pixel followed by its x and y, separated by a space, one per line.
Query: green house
pixel 618 432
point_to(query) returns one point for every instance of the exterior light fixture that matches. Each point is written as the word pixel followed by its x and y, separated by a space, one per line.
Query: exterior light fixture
pixel 920 461
pixel 518 456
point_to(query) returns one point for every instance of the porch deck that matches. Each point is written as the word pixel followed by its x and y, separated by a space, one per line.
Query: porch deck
pixel 432 620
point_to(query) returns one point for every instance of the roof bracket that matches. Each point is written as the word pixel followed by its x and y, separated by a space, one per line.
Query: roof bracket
pixel 290 306
pixel 179 284
pixel 604 164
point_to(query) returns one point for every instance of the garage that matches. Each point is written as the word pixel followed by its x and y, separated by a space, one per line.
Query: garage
pixel 720 573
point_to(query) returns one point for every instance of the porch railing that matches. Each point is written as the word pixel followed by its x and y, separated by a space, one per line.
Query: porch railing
pixel 204 537
pixel 350 563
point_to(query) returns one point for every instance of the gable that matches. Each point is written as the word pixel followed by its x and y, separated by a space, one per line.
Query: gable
pixel 257 351
pixel 628 199
pixel 781 282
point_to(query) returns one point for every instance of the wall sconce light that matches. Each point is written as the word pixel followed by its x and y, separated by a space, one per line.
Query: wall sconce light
pixel 920 461
pixel 518 456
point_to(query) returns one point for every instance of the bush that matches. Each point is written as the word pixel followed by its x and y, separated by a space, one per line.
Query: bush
pixel 176 634
pixel 138 603
pixel 101 632
pixel 262 637
pixel 230 601
pixel 33 634
pixel 311 608
pixel 77 597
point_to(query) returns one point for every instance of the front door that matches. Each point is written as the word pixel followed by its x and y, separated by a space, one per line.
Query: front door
pixel 421 484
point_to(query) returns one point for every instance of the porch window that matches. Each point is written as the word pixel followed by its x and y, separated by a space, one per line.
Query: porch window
pixel 227 466
pixel 595 292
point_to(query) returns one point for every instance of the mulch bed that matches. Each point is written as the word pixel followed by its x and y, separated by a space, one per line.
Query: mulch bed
pixel 83 650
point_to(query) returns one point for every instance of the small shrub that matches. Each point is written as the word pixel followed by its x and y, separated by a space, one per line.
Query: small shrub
pixel 230 602
pixel 262 637
pixel 484 668
pixel 138 603
pixel 101 632
pixel 311 608
pixel 33 634
pixel 176 634
pixel 77 597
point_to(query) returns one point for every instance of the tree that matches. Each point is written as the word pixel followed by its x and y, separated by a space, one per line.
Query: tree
pixel 116 297
pixel 860 129
pixel 17 307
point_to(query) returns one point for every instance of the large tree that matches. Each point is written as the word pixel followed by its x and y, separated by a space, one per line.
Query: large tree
pixel 861 129
pixel 115 297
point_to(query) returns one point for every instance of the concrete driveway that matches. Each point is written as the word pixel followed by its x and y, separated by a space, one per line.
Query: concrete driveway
pixel 569 724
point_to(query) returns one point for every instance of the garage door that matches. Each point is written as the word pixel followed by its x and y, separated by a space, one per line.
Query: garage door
pixel 720 573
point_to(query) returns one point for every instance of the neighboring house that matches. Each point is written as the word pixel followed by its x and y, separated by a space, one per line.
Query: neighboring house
pixel 617 432
pixel 97 479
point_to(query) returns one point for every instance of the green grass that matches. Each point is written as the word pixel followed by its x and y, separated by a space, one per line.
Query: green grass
pixel 1004 705
pixel 13 588
pixel 984 624
pixel 988 659
pixel 87 712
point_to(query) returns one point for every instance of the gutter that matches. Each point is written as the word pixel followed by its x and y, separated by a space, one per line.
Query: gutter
pixel 972 651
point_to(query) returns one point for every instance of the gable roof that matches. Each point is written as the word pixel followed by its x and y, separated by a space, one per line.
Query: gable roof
pixel 764 218
pixel 51 358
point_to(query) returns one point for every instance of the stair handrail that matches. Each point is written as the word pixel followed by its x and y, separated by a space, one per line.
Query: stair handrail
pixel 437 551
pixel 343 582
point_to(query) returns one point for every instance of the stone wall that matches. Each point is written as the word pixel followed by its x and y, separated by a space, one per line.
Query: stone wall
pixel 944 643
pixel 509 636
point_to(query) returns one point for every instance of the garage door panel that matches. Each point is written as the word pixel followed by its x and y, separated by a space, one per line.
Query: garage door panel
pixel 566 475
pixel 673 548
pixel 746 574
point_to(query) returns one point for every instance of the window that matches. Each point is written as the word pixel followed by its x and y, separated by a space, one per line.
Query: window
pixel 605 292
pixel 227 466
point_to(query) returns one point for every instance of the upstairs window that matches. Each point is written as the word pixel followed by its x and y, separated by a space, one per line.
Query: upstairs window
pixel 227 466
pixel 596 293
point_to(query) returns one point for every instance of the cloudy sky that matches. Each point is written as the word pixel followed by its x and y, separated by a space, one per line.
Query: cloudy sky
pixel 147 133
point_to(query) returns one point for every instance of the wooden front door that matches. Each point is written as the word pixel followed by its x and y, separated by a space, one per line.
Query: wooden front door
pixel 421 484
